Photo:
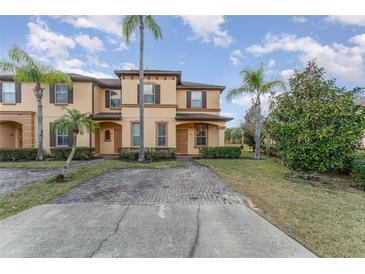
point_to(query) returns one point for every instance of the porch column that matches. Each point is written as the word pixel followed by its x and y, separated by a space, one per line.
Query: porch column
pixel 221 135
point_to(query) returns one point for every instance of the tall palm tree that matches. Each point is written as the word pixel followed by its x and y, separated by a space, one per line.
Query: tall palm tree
pixel 25 69
pixel 253 83
pixel 78 122
pixel 129 24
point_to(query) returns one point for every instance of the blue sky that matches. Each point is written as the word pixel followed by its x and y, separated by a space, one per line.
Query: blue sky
pixel 209 49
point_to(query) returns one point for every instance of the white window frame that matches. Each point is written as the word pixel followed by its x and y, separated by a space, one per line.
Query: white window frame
pixel 4 92
pixel 195 100
pixel 161 136
pixel 118 91
pixel 136 136
pixel 64 135
pixel 153 93
pixel 62 92
pixel 200 136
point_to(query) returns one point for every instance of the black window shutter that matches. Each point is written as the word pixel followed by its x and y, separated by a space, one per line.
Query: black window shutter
pixel 157 94
pixel 70 95
pixel 51 93
pixel 18 92
pixel 137 93
pixel 70 137
pixel 107 98
pixel 52 136
pixel 188 99
pixel 1 92
pixel 204 99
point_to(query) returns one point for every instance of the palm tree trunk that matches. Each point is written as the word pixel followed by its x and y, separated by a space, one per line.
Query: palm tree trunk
pixel 61 177
pixel 72 154
pixel 141 90
pixel 258 127
pixel 39 95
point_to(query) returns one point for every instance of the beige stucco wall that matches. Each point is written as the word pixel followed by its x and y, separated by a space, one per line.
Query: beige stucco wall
pixel 215 136
pixel 167 89
pixel 152 116
pixel 212 99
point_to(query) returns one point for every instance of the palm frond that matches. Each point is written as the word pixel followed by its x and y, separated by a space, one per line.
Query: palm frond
pixel 19 56
pixel 7 67
pixel 268 86
pixel 130 22
pixel 50 76
pixel 153 26
pixel 236 91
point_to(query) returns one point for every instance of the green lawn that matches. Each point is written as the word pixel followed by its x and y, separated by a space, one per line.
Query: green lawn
pixel 47 190
pixel 34 164
pixel 329 221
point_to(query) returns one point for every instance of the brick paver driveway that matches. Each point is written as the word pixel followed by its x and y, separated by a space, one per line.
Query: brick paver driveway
pixel 186 212
pixel 13 178
pixel 194 185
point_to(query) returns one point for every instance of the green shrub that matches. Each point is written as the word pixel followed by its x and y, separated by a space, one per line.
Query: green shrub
pixel 132 153
pixel 17 154
pixel 82 153
pixel 358 169
pixel 269 150
pixel 220 152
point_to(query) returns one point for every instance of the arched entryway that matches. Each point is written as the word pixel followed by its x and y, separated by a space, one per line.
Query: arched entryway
pixel 11 134
pixel 108 138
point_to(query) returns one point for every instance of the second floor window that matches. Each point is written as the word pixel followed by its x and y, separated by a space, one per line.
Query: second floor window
pixel 149 94
pixel 62 138
pixel 196 99
pixel 8 94
pixel 136 137
pixel 61 94
pixel 115 96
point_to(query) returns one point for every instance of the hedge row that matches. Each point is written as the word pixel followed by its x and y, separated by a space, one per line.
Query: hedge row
pixel 132 153
pixel 17 154
pixel 358 169
pixel 220 152
pixel 82 153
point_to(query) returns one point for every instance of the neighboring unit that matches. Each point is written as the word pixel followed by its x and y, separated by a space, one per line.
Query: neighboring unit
pixel 178 114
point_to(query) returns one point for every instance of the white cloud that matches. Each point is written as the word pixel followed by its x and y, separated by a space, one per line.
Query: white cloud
pixel 41 39
pixel 122 46
pixel 236 57
pixel 286 73
pixel 298 19
pixel 270 64
pixel 344 62
pixel 208 29
pixel 356 20
pixel 111 24
pixel 53 49
pixel 128 66
pixel 227 114
pixel 92 45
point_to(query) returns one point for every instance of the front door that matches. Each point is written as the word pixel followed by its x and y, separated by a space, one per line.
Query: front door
pixel 182 141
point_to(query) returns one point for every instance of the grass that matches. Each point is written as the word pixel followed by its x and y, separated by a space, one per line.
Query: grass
pixel 34 164
pixel 47 190
pixel 328 221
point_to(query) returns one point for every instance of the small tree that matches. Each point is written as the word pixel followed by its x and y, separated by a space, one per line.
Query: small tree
pixel 78 122
pixel 253 82
pixel 248 128
pixel 25 69
pixel 316 126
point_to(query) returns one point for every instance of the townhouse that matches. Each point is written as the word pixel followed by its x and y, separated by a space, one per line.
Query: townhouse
pixel 178 114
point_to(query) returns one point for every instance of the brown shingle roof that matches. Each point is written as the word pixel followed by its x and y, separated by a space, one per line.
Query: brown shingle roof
pixel 185 84
pixel 107 116
pixel 200 116
pixel 101 82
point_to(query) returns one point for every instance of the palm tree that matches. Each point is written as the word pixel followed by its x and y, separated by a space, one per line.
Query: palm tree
pixel 129 24
pixel 253 83
pixel 25 69
pixel 78 122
